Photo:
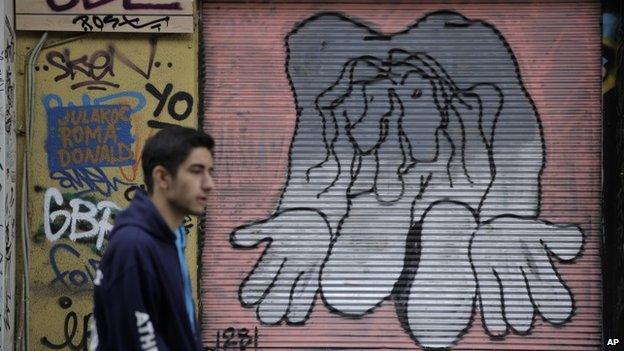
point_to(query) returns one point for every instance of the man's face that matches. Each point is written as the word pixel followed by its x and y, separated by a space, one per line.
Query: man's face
pixel 187 193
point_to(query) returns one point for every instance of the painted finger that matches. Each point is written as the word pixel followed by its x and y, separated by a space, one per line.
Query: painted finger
pixel 519 310
pixel 565 242
pixel 551 297
pixel 302 298
pixel 275 304
pixel 248 235
pixel 491 301
pixel 260 279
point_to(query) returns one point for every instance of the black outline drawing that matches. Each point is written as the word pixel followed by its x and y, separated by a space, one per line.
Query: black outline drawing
pixel 403 131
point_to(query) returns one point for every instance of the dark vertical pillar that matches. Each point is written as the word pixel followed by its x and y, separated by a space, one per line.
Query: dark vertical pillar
pixel 613 186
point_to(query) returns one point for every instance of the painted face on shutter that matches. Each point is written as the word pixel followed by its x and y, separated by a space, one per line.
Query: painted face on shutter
pixel 390 112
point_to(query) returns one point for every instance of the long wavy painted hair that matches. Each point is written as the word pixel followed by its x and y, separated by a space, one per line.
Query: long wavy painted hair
pixel 347 106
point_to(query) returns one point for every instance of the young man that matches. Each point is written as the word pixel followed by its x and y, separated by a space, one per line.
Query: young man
pixel 143 298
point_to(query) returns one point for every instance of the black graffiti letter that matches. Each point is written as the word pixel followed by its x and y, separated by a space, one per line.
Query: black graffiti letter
pixel 161 97
pixel 244 338
pixel 228 338
pixel 180 96
pixel 97 21
pixel 84 19
pixel 54 6
pixel 128 5
pixel 89 5
pixel 131 191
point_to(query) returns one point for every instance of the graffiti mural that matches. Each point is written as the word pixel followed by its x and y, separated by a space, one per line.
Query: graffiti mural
pixel 413 130
pixel 97 100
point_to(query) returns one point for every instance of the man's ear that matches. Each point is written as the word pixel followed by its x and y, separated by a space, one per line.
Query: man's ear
pixel 161 177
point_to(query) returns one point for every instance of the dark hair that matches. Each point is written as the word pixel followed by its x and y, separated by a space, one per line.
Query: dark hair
pixel 169 148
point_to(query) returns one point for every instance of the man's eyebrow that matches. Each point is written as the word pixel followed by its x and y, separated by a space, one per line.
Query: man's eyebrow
pixel 197 165
pixel 200 165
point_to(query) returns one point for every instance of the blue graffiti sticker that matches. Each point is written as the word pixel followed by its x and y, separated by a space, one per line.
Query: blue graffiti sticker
pixel 89 136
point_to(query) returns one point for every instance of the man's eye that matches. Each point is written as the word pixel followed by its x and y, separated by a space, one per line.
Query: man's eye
pixel 416 93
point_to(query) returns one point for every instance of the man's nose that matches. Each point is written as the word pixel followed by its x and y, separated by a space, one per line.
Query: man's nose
pixel 208 183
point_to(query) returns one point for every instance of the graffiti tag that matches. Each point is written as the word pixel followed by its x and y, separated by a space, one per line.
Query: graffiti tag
pixel 95 22
pixel 71 325
pixel 81 213
pixel 92 179
pixel 236 339
pixel 77 278
pixel 89 136
pixel 96 68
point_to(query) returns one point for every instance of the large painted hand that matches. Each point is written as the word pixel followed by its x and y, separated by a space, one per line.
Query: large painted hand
pixel 284 282
pixel 516 276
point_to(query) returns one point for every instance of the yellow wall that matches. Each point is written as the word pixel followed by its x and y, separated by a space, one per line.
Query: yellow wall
pixel 109 72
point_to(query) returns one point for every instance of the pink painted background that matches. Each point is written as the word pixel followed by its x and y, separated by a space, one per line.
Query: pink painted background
pixel 250 111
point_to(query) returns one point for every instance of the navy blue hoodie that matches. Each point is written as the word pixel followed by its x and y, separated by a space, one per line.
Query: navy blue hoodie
pixel 139 295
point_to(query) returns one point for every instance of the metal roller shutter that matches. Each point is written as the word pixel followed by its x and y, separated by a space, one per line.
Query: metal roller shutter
pixel 403 175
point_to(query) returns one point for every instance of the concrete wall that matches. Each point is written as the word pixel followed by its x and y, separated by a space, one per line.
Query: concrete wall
pixel 82 173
